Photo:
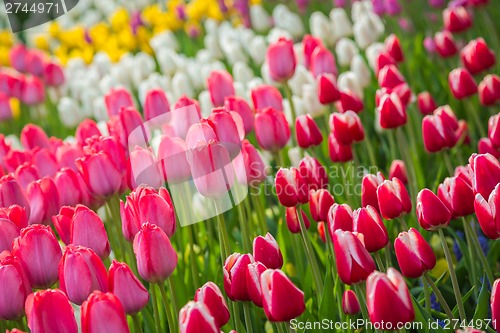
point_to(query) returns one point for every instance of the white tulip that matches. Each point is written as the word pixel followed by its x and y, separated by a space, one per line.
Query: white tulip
pixel 205 101
pixel 276 33
pixel 287 20
pixel 298 49
pixel 167 59
pixel 359 9
pixel 360 68
pixel 320 27
pixel 211 26
pixel 345 49
pixel 242 72
pixel 211 43
pixel 258 49
pixel 349 81
pixel 245 37
pixel 261 21
pixel 194 76
pixel 240 90
pixel 266 76
pixel 295 156
pixel 181 85
pixel 367 30
pixel 69 112
pixel 310 99
pixel 102 63
pixel 234 53
pixel 372 53
pixel 302 76
pixel 99 109
pixel 165 39
pixel 340 23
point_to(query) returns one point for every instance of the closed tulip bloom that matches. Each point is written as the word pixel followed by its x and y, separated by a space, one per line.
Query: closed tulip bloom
pixel 495 304
pixel 220 85
pixel 184 113
pixel 487 212
pixel 100 174
pixel 50 311
pixel 323 62
pixel 265 96
pixel 489 90
pixel 350 303
pixel 254 272
pixel 227 130
pixel 81 272
pixel 393 199
pixel 383 59
pixel 241 107
pixel 292 220
pixel 281 299
pixel 195 317
pixel 103 312
pixel 69 186
pixel 281 60
pixel 87 229
pixel 484 146
pixel 328 91
pixel 291 187
pixel 389 299
pixel 34 136
pixel 486 173
pixel 17 57
pixel 494 130
pixel 307 131
pixel 390 77
pixel 440 130
pixel 32 91
pixel 86 129
pixel 339 218
pixel 462 83
pixel 457 195
pixel 426 103
pixel 156 258
pixel 271 129
pixel 62 223
pixel 314 173
pixel 398 170
pixel 210 295
pixel 391 111
pixel 477 57
pixel 338 152
pixel 9 232
pixel 17 287
pixel 309 44
pixel 414 254
pixel 393 47
pixel 266 250
pixel 320 202
pixel 346 127
pixel 39 253
pixel 349 101
pixel 117 99
pixel 235 283
pixel 155 104
pixel 249 166
pixel 445 44
pixel 53 74
pixel 368 222
pixel 457 19
pixel 432 213
pixel 369 185
pixel 172 159
pixel 354 263
pixel 127 287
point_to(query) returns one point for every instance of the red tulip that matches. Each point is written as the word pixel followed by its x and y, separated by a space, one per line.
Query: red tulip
pixel 127 287
pixel 156 258
pixel 292 220
pixel 328 91
pixel 350 303
pixel 393 199
pixel 346 127
pixel 53 74
pixel 486 173
pixel 249 167
pixel 426 103
pixel 281 299
pixel 369 186
pixel 310 43
pixel 210 295
pixel 50 311
pixel 320 202
pixel 235 284
pixel 489 90
pixel 390 77
pixel 16 287
pixel 87 229
pixel 241 107
pixel 414 254
pixel 266 250
pixel 339 218
pixel 103 312
pixel 495 305
pixel 484 146
pixel 383 59
pixel 354 263
pixel 265 96
pixel 220 86
pixel 432 213
pixel 323 62
pixel 368 222
pixel 314 174
pixel 476 56
pixel 156 104
pixel 457 19
pixel 307 131
pixel 271 129
pixel 280 58
pixel 349 101
pixel 393 47
pixel 339 152
pixel 391 111
pixel 291 187
pixel 321 231
pixel 254 272
pixel 398 170
pixel 487 212
pixel 445 44
pixel 39 253
pixel 457 195
pixel 494 130
pixel 440 130
pixel 389 299
pixel 195 317
pixel 461 83
pixel 117 99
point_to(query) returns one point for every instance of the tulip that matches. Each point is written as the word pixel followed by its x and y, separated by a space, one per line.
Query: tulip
pixel 346 49
pixel 265 96
pixel 103 312
pixel 339 218
pixel 267 251
pixel 432 213
pixel 349 101
pixel 241 107
pixel 155 104
pixel 87 129
pixel 486 173
pixel 328 91
pixel 484 146
pixel 144 168
pixel 457 195
pixel 35 60
pixel 393 199
pixel 368 222
pixel 227 130
pixel 390 77
pixel 69 188
pixel 393 47
pixel 253 274
pixel 17 57
pixel 339 152
pixel 184 113
pixel 489 90
pixel 426 103
pixel 389 299
pixel 39 253
pixel 313 173
pixel 398 170
pixel 156 258
pixel 210 295
pixel 457 19
pixel 76 285
pixel 62 223
pixel 7 106
pixel 350 303
pixel 117 99
pixel 307 132
pixel 414 254
pixel 32 91
pixel 439 130
pixel 383 59
pixel 323 62
pixel 445 44
pixel 100 174
pixel 495 305
pixel 354 263
pixel 391 111
pixel 9 232
pixel 320 202
pixel 173 160
pixel 291 187
pixel 53 74
pixel 281 299
pixel 309 44
pixel 292 220
pixel 235 283
pixel 249 167
pixel 494 130
pixel 17 287
pixel 476 56
pixel 127 287
pixel 34 136
pixel 280 58
pixel 369 185
pixel 87 229
pixel 271 129
pixel 487 213
pixel 50 311
pixel 346 127
pixel 220 85
pixel 462 83
pixel 196 317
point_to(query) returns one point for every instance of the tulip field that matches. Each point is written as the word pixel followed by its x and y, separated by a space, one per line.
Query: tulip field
pixel 248 166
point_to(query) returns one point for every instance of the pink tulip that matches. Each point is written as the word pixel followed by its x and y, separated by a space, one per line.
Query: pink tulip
pixel 227 130
pixel 62 223
pixel 32 91
pixel 87 229
pixel 17 287
pixel 117 99
pixel 281 60
pixel 210 295
pixel 196 317
pixel 266 250
pixel 127 287
pixel 265 96
pixel 350 303
pixel 220 86
pixel 249 167
pixel 156 105
pixel 103 312
pixel 253 274
pixel 53 74
pixel 271 129
pixel 281 299
pixel 241 107
pixel 323 62
pixel 310 43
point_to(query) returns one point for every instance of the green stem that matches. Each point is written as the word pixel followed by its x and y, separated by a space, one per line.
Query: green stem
pixel 175 302
pixel 439 296
pixel 236 317
pixel 156 312
pixel 361 296
pixel 245 232
pixel 223 236
pixel 279 328
pixel 137 323
pixel 473 112
pixel 172 323
pixel 480 253
pixel 380 264
pixel 427 296
pixel 192 255
pixel 248 318
pixel 471 254
pixel 404 151
pixel 453 276
pixel 388 260
pixel 289 96
pixel 447 160
pixel 403 223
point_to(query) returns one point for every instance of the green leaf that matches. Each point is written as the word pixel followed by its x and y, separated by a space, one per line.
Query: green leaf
pixel 483 302
pixel 464 300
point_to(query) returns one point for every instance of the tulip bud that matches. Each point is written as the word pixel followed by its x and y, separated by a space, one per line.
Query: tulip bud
pixel 339 152
pixel 432 213
pixel 280 58
pixel 310 43
pixel 391 111
pixel 50 311
pixel 445 44
pixel 354 263
pixel 265 96
pixel 495 304
pixel 389 300
pixel 227 129
pixel 327 89
pixel 361 70
pixel 100 174
pixel 350 303
pixel 393 47
pixel 307 132
pixel 32 91
pixel 196 317
pixel 486 173
pixel 53 74
pixel 369 185
pixel 13 276
pixel 457 195
pixel 86 129
pixel 346 49
pixel 117 99
pixel 457 19
pixel 281 299
pixel 249 166
pixel 253 274
pixel 346 127
pixel 439 130
pixel 484 146
pixel 292 220
pixel 323 62
pixel 426 103
pixel 494 130
pixel 267 251
pixel 489 90
pixel 393 199
pixel 291 187
pixel 155 104
pixel 339 218
pixel 235 284
pixel 127 287
pixel 271 129
pixel 313 173
pixel 383 59
pixel 210 295
pixel 368 222
pixel 103 312
pixel 414 254
pixel 476 56
pixel 398 170
pixel 487 213
pixel 220 85
pixel 320 202
pixel 87 229
pixel 390 77
pixel 461 83
pixel 9 232
pixel 349 101
pixel 240 106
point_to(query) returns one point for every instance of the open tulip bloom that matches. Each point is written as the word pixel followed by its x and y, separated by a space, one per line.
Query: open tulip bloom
pixel 211 166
